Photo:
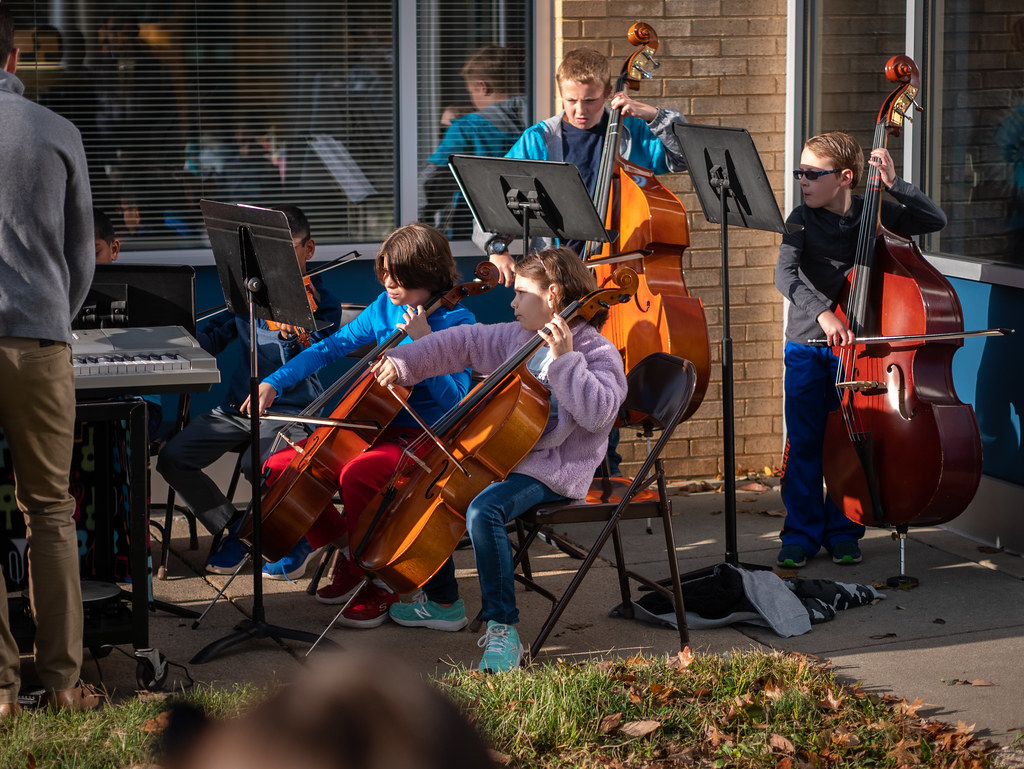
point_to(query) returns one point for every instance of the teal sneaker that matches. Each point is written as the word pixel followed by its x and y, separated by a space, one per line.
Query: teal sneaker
pixel 502 649
pixel 421 612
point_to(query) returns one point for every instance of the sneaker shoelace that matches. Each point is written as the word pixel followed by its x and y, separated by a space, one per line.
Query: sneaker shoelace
pixel 419 605
pixel 496 640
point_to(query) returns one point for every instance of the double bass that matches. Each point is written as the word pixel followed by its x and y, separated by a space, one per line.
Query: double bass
pixel 901 448
pixel 296 499
pixel 650 221
pixel 411 527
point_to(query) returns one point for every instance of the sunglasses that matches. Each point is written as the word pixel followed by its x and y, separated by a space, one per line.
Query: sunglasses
pixel 812 175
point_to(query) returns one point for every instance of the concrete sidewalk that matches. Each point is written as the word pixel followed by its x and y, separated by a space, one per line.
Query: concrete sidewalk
pixel 955 642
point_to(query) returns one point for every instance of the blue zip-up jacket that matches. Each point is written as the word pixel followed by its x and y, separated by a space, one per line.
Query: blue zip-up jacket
pixel 272 353
pixel 431 398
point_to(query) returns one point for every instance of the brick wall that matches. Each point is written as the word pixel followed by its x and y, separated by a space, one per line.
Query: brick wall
pixel 722 63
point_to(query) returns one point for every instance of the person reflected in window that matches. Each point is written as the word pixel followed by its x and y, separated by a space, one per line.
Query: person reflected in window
pixel 1009 138
pixel 139 117
pixel 493 78
pixel 74 95
pixel 249 174
pixel 145 198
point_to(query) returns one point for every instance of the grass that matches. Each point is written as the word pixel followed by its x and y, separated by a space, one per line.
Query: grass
pixel 750 709
pixel 112 738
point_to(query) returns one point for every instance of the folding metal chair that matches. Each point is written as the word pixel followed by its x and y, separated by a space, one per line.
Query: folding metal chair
pixel 659 390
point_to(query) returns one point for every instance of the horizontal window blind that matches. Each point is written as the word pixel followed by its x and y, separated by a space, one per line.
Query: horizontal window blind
pixel 471 84
pixel 253 103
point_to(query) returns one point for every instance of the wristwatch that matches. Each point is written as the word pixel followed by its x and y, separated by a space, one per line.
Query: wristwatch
pixel 496 245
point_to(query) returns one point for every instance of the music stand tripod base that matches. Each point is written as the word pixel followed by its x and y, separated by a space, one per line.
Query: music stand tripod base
pixel 260 277
pixel 902 581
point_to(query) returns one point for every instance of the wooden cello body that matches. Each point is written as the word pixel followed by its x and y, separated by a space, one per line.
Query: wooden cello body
pixel 295 501
pixel 902 448
pixel 650 221
pixel 412 527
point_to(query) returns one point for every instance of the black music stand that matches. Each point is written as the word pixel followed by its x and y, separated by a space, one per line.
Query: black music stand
pixel 729 179
pixel 508 194
pixel 260 277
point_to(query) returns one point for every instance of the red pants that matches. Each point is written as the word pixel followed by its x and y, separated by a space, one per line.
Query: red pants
pixel 358 482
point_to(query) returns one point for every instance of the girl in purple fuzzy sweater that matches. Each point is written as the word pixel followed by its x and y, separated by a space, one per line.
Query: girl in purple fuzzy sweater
pixel 584 373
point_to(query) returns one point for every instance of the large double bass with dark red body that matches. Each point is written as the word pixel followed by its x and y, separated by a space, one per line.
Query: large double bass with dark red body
pixel 902 449
pixel 651 224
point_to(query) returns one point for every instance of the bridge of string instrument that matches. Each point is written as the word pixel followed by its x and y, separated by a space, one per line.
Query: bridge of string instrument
pixel 867 386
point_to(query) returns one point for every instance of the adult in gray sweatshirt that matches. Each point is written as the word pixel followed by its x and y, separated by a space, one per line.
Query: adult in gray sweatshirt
pixel 47 258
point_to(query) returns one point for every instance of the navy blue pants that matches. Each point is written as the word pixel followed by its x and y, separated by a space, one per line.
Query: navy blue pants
pixel 812 519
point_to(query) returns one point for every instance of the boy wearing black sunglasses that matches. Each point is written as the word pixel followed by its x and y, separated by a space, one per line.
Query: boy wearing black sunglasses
pixel 811 272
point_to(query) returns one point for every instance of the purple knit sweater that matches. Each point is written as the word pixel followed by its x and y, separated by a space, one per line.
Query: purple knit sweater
pixel 588 382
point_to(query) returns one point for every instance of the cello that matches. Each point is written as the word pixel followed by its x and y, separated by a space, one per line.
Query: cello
pixel 902 448
pixel 296 499
pixel 651 221
pixel 411 527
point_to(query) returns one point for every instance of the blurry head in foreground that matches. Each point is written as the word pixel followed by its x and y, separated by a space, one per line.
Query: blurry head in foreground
pixel 351 710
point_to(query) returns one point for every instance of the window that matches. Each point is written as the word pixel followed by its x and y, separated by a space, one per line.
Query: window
pixel 971 133
pixel 975 138
pixel 261 103
pixel 847 48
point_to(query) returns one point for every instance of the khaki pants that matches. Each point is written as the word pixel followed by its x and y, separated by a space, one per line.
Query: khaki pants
pixel 37 413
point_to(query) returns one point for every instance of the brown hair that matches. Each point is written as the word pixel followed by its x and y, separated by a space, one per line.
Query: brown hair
pixel 418 256
pixel 358 710
pixel 842 149
pixel 500 67
pixel 563 269
pixel 6 34
pixel 584 65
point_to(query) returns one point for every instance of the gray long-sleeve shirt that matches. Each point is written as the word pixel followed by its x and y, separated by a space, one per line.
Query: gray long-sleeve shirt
pixel 47 251
pixel 814 262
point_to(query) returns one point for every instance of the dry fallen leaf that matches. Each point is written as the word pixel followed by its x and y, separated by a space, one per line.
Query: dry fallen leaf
pixel 158 724
pixel 911 708
pixel 681 660
pixel 754 486
pixel 610 723
pixel 779 742
pixel 832 702
pixel 639 728
pixel 715 735
pixel 502 759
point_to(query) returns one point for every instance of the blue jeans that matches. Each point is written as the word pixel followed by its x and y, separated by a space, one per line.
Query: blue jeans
pixel 812 519
pixel 486 517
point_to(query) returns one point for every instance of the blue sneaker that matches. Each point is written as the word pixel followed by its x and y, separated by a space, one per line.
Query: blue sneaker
pixel 846 553
pixel 502 649
pixel 231 553
pixel 293 565
pixel 421 612
pixel 792 557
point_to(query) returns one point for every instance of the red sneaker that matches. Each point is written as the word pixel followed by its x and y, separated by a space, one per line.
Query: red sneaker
pixel 370 609
pixel 344 583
